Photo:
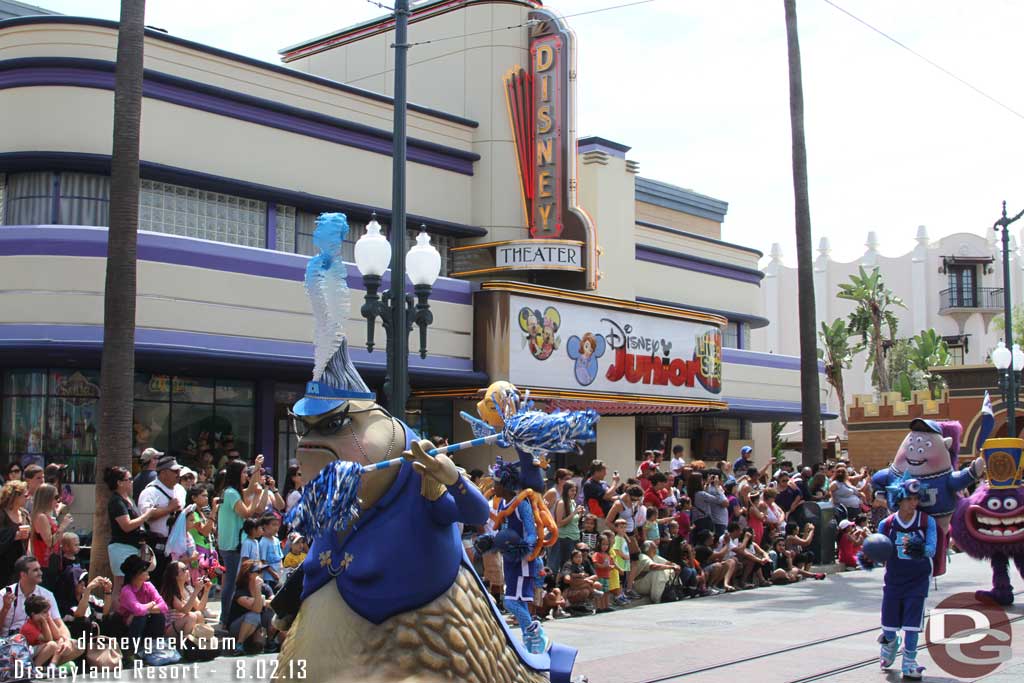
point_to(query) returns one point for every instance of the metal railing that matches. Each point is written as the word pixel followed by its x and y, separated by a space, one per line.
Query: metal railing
pixel 980 297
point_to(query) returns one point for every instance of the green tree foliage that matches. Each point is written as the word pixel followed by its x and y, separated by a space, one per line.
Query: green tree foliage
pixel 874 311
pixel 837 352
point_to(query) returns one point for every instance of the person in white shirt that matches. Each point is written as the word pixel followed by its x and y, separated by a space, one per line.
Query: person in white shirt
pixel 166 497
pixel 12 613
pixel 678 462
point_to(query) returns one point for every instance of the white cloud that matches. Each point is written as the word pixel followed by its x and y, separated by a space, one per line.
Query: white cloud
pixel 700 91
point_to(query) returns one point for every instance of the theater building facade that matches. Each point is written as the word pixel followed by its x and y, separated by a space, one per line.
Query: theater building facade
pixel 564 270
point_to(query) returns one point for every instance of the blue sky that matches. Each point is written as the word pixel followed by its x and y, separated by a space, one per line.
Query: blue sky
pixel 699 90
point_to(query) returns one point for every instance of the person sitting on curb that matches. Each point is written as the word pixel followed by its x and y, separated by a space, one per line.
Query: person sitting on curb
pixel 655 572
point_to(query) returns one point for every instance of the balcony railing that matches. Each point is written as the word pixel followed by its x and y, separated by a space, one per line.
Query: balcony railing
pixel 981 298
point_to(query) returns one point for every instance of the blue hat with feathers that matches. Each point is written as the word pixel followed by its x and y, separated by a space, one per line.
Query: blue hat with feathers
pixel 335 378
pixel 904 487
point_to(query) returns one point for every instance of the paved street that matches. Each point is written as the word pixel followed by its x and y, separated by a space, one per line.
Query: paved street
pixel 691 640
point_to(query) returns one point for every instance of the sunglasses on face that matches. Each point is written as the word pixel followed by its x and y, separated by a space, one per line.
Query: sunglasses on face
pixel 328 425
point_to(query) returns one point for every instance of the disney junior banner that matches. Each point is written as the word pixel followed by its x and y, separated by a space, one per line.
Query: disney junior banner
pixel 561 345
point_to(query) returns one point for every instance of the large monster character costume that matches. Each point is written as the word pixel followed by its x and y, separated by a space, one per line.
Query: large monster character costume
pixel 928 454
pixel 989 525
pixel 390 596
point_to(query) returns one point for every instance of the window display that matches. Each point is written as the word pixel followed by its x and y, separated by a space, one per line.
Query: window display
pixel 53 416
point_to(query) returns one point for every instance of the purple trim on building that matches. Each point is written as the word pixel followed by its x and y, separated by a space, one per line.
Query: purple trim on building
pixel 594 142
pixel 266 416
pixel 238 106
pixel 764 360
pixel 271 232
pixel 231 56
pixel 763 410
pixel 66 240
pixel 695 236
pixel 14 162
pixel 675 259
pixel 202 345
pixel 754 321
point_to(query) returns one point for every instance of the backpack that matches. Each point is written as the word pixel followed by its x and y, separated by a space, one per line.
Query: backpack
pixel 673 592
pixel 15 658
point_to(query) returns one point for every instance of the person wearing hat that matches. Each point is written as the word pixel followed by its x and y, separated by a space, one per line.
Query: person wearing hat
pixel 743 463
pixel 148 473
pixel 849 541
pixel 165 497
pixel 141 607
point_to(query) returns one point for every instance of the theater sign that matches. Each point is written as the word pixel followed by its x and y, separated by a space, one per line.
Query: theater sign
pixel 541 99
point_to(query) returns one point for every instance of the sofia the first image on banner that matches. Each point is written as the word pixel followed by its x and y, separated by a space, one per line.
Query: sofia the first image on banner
pixel 584 352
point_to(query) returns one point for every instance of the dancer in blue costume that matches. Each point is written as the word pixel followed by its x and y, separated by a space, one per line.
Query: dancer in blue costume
pixel 908 571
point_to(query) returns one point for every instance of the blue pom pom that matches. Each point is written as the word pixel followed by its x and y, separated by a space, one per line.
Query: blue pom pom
pixel 329 502
pixel 540 433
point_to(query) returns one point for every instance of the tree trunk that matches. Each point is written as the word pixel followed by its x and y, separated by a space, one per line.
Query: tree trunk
pixel 117 370
pixel 810 396
pixel 842 399
pixel 880 370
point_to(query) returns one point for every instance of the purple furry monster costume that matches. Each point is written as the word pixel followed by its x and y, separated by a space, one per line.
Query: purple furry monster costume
pixel 990 523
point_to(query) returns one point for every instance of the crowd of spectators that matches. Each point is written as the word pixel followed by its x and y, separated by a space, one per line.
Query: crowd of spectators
pixel 682 529
pixel 665 532
pixel 230 543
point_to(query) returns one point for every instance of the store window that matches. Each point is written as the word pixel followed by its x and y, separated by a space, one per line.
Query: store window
pixel 189 212
pixel 52 416
pixel 285 226
pixel 84 199
pixel 29 198
pixel 956 354
pixel 187 416
pixel 305 224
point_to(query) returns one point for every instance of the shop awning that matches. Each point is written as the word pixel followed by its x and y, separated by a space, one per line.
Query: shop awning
pixel 604 404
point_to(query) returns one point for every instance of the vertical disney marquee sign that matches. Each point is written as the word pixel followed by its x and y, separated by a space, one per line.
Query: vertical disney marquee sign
pixel 541 103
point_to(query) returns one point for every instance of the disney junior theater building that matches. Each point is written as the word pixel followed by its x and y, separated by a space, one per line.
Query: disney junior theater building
pixel 564 270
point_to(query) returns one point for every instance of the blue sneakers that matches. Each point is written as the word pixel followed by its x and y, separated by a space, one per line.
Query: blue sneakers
pixel 889 650
pixel 534 639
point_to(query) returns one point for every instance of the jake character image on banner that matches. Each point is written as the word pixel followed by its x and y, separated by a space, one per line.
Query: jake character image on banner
pixel 989 524
pixel 928 453
pixel 541 330
pixel 386 592
pixel 584 351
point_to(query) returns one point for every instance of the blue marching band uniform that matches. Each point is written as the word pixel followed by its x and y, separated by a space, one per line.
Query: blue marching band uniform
pixel 907 575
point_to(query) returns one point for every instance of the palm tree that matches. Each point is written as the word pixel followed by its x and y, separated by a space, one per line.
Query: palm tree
pixel 875 302
pixel 809 395
pixel 838 355
pixel 117 370
pixel 929 350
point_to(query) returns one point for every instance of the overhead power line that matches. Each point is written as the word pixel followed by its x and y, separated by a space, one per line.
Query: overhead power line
pixel 525 23
pixel 926 60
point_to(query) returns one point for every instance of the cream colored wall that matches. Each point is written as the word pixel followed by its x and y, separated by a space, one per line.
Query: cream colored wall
pixel 37 120
pixel 696 247
pixel 606 191
pixel 699 289
pixel 757 382
pixel 463 76
pixel 670 218
pixel 69 291
pixel 616 444
pixel 93 42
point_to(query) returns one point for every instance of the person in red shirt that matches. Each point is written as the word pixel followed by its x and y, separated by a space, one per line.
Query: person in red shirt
pixel 682 517
pixel 658 492
pixel 44 635
pixel 851 537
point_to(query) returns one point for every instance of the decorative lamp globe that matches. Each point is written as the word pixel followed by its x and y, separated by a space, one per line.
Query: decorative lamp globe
pixel 423 262
pixel 1001 356
pixel 373 251
pixel 1018 358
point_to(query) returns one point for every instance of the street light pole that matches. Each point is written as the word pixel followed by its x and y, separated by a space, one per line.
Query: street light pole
pixel 1011 380
pixel 398 340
